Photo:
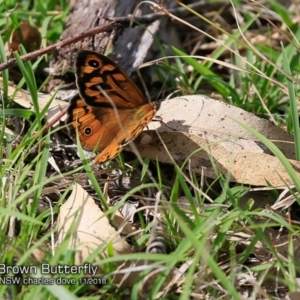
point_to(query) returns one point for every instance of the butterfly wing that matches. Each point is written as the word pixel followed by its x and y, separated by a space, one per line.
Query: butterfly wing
pixel 110 110
pixel 95 73
pixel 104 129
pixel 96 126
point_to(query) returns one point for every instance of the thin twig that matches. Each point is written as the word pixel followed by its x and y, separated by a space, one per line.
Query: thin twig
pixel 115 23
pixel 33 55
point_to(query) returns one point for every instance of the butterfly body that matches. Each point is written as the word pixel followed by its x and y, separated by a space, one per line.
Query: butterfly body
pixel 110 110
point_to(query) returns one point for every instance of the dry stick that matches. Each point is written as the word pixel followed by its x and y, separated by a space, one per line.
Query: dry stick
pixel 115 23
pixel 32 55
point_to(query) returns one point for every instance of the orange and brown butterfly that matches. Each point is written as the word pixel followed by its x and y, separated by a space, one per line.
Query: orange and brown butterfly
pixel 110 110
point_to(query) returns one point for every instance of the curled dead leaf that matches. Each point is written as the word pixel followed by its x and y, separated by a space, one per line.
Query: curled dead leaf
pixel 27 35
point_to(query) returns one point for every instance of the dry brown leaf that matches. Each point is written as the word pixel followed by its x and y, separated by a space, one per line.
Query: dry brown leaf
pixel 192 123
pixel 23 98
pixel 245 167
pixel 294 295
pixel 19 97
pixel 126 227
pixel 92 228
pixel 54 109
pixel 213 120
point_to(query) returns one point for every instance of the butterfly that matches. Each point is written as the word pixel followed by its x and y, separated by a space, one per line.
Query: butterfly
pixel 110 111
